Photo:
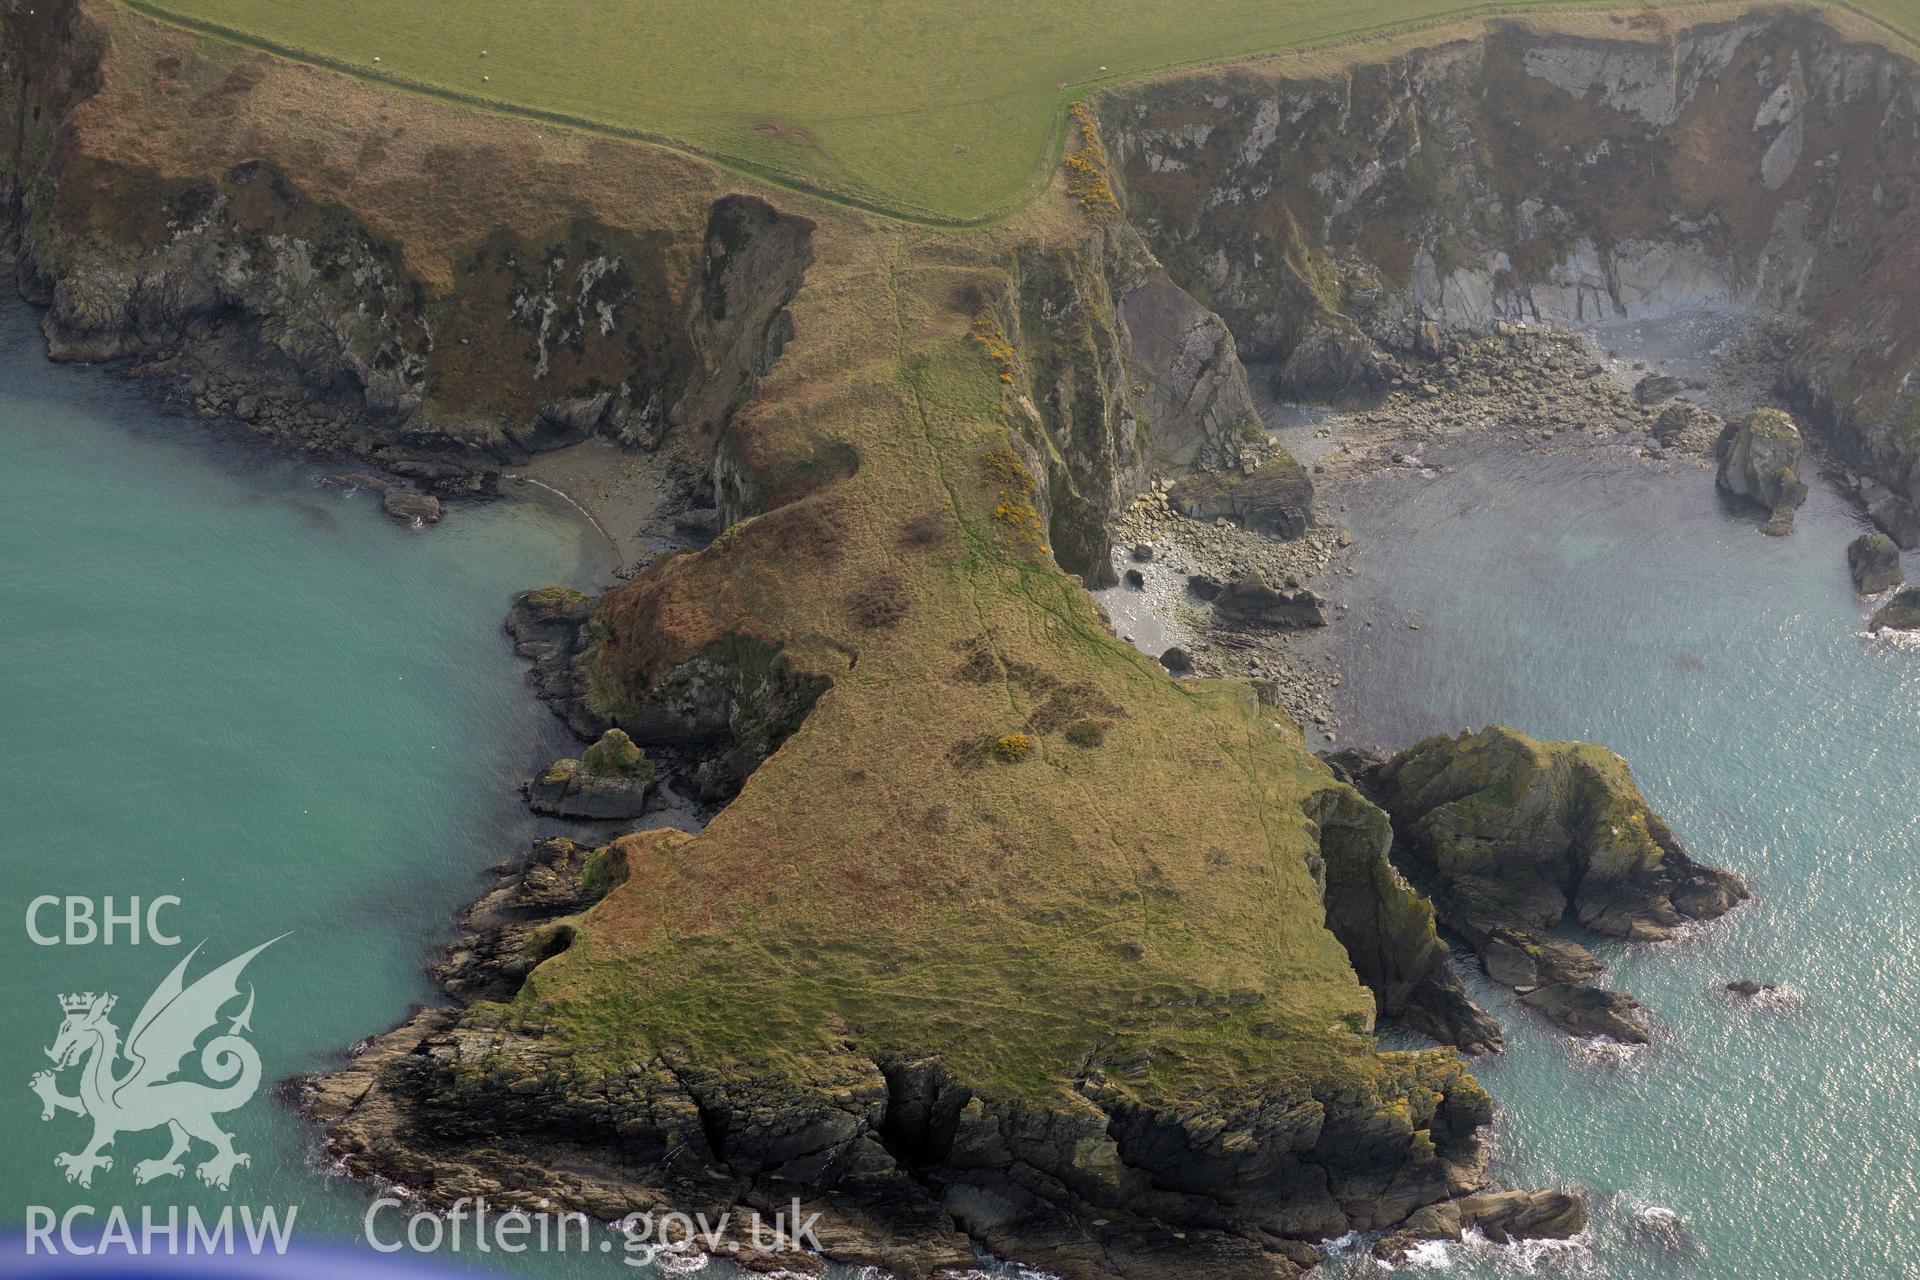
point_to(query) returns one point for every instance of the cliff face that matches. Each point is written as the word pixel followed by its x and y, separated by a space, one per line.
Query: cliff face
pixel 1769 161
pixel 402 288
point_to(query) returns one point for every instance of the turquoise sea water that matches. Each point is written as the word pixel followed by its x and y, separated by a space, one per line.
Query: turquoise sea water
pixel 224 682
pixel 1583 597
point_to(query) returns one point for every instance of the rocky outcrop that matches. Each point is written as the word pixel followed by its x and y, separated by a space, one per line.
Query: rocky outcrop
pixel 1509 836
pixel 1122 373
pixel 1874 561
pixel 611 780
pixel 550 628
pixel 1197 403
pixel 1249 601
pixel 1902 613
pixel 1275 497
pixel 1760 460
pixel 1500 1216
pixel 1387 928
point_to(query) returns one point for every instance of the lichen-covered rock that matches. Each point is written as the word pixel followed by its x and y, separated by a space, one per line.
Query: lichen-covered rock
pixel 1513 832
pixel 1508 835
pixel 1276 497
pixel 1759 460
pixel 1902 613
pixel 1874 561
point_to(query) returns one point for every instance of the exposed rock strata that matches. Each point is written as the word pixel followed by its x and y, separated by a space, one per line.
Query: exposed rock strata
pixel 1766 161
pixel 1275 497
pixel 1248 600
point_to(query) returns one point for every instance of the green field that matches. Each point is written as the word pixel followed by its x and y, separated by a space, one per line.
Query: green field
pixel 940 111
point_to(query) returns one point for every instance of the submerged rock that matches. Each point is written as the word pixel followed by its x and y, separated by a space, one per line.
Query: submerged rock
pixel 1251 601
pixel 1902 613
pixel 1590 1011
pixel 1276 497
pixel 1748 987
pixel 1759 460
pixel 409 506
pixel 1874 560
pixel 611 780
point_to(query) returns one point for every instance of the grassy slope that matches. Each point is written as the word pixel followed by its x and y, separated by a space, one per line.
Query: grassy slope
pixel 933 110
pixel 883 882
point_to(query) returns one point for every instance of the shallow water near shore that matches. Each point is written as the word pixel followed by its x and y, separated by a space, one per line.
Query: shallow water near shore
pixel 1582 595
pixel 228 683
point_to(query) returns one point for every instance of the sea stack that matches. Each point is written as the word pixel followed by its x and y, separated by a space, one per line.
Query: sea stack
pixel 1759 460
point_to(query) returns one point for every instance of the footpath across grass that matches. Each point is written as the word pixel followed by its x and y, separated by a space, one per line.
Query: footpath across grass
pixel 940 112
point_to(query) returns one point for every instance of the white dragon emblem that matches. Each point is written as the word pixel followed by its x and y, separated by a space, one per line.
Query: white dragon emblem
pixel 145 1095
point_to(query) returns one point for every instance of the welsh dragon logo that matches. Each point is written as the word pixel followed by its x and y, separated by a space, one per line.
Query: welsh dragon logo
pixel 144 1094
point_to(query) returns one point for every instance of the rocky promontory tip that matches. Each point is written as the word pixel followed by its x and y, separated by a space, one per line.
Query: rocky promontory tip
pixel 1874 561
pixel 1902 613
pixel 611 780
pixel 1501 1216
pixel 1759 460
pixel 1509 836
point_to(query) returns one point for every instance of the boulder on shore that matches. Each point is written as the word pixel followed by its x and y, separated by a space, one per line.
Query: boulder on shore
pixel 1874 560
pixel 611 780
pixel 1249 600
pixel 409 506
pixel 1759 460
pixel 1656 387
pixel 1276 497
pixel 1902 613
